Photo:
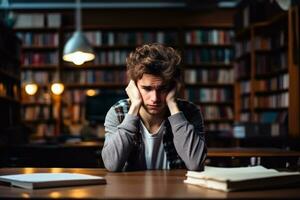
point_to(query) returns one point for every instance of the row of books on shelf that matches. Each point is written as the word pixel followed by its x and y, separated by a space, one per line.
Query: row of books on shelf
pixel 42 96
pixel 38 77
pixel 217 112
pixel 273 101
pixel 207 55
pixel 38 20
pixel 245 102
pixel 245 116
pixel 39 58
pixel 111 57
pixel 92 76
pixel 242 48
pixel 130 38
pixel 75 113
pixel 275 41
pixel 242 69
pixel 213 37
pixel 38 39
pixel 44 131
pixel 280 117
pixel 245 87
pixel 209 94
pixel 9 89
pixel 252 130
pixel 270 63
pixel 208 76
pixel 41 112
pixel 74 96
pixel 280 82
pixel 218 127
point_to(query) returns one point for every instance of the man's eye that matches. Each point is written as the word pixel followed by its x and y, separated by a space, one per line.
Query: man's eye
pixel 147 89
pixel 164 89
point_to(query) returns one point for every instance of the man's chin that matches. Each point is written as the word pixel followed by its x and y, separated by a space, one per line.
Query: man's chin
pixel 154 111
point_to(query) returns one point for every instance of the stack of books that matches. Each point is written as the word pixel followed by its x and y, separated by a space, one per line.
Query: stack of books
pixel 242 178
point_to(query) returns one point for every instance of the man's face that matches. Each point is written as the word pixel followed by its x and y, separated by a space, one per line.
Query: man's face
pixel 153 91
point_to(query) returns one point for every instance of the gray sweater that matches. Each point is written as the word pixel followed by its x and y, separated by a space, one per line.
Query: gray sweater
pixel 121 150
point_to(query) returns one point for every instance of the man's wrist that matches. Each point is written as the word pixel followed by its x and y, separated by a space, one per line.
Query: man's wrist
pixel 173 107
pixel 134 108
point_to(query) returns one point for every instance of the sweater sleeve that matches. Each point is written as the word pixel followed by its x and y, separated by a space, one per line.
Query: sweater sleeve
pixel 189 138
pixel 118 140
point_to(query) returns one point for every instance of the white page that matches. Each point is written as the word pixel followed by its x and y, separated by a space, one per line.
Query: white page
pixel 237 173
pixel 44 177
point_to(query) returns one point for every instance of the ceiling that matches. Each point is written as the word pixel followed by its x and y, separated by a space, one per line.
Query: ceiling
pixel 108 4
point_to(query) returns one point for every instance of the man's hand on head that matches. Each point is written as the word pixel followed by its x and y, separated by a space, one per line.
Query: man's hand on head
pixel 171 100
pixel 134 96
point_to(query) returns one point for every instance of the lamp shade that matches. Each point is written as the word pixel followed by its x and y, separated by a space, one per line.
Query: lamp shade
pixel 77 49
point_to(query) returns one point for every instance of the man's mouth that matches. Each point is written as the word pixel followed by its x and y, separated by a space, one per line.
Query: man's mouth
pixel 153 106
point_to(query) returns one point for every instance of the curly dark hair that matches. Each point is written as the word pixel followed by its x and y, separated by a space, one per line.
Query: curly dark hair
pixel 155 59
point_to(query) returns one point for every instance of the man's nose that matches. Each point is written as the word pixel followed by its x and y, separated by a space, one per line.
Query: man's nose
pixel 154 96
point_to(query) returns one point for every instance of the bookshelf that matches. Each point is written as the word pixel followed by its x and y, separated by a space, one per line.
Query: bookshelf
pixel 264 73
pixel 9 86
pixel 40 62
pixel 208 75
pixel 112 40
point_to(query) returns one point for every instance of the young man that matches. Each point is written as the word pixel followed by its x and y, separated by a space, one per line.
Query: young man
pixel 153 129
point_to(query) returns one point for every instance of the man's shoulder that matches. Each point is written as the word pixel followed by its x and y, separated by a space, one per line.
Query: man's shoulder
pixel 186 104
pixel 122 103
pixel 122 106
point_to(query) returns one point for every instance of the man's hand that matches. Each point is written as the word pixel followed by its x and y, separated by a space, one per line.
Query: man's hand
pixel 135 98
pixel 171 100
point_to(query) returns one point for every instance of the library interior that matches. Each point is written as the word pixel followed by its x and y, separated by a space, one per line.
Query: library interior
pixel 240 67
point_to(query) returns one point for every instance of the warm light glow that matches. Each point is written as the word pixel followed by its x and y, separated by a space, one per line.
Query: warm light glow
pixel 28 170
pixel 57 88
pixel 79 193
pixel 25 195
pixel 56 170
pixel 31 88
pixel 55 195
pixel 79 57
pixel 91 92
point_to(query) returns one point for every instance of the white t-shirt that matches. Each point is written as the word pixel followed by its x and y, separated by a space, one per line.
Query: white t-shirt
pixel 155 155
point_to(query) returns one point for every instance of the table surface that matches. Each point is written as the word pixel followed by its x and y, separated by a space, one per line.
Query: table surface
pixel 251 152
pixel 135 185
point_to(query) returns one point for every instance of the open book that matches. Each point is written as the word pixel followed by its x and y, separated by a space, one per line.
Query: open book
pixel 241 178
pixel 44 180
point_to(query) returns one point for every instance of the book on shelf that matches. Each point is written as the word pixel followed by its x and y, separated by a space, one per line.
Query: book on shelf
pixel 241 178
pixel 46 180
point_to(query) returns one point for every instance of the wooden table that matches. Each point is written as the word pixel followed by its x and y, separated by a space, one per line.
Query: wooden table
pixel 135 185
pixel 269 157
pixel 251 152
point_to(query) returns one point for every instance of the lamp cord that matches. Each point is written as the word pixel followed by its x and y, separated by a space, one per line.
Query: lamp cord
pixel 78 15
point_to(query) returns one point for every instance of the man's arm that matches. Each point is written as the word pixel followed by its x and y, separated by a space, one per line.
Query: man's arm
pixel 119 137
pixel 189 139
pixel 118 140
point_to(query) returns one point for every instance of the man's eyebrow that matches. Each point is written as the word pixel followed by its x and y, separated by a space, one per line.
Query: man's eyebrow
pixel 146 86
pixel 161 87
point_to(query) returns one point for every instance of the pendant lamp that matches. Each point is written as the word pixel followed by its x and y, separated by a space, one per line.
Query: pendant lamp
pixel 77 49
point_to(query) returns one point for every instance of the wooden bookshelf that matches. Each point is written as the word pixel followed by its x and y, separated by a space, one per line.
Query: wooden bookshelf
pixel 208 74
pixel 40 62
pixel 112 41
pixel 264 75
